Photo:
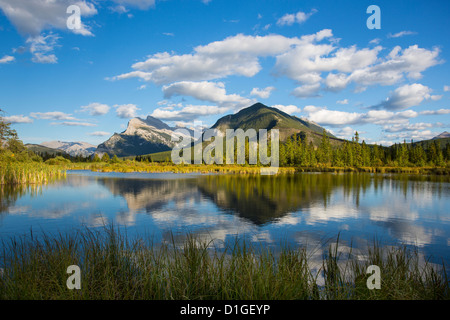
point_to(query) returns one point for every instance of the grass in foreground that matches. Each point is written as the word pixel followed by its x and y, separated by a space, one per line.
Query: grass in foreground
pixel 116 267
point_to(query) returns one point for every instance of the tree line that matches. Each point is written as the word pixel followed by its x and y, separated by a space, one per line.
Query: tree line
pixel 296 151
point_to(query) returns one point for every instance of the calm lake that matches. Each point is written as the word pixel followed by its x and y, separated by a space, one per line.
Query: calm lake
pixel 300 209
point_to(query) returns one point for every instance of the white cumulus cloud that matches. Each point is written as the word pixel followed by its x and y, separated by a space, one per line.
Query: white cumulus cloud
pixel 126 111
pixel 324 116
pixel 291 18
pixel 314 62
pixel 187 113
pixel 307 90
pixel 7 59
pixel 73 124
pixel 42 46
pixel 435 112
pixel 214 92
pixel 407 96
pixel 96 109
pixel 236 55
pixel 289 109
pixel 345 101
pixel 32 17
pixel 17 119
pixel 346 133
pixel 52 115
pixel 262 93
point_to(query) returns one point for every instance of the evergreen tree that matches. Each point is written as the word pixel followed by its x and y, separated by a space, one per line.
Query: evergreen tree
pixel 365 155
pixel 105 157
pixel 376 156
pixel 432 154
pixel 115 159
pixel 290 154
pixel 283 158
pixel 439 154
pixel 325 149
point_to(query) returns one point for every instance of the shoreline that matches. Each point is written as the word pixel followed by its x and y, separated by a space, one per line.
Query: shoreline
pixel 154 168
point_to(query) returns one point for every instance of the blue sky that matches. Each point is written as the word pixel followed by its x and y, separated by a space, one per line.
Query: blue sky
pixel 192 60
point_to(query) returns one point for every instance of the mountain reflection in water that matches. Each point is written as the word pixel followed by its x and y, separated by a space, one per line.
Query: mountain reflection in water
pixel 300 208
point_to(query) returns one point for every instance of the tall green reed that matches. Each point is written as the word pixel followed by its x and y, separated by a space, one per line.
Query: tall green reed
pixel 14 173
pixel 121 267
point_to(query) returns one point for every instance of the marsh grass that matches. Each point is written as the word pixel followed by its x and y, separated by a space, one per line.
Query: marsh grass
pixel 405 275
pixel 115 266
pixel 14 173
pixel 154 167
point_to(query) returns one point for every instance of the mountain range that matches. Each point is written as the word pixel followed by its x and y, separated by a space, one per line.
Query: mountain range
pixel 39 149
pixel 72 148
pixel 151 135
pixel 63 148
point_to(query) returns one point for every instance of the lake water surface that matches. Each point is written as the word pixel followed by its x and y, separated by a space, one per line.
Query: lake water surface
pixel 300 209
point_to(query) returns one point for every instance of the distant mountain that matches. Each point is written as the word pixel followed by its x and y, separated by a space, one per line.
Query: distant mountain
pixel 260 116
pixel 73 148
pixel 443 135
pixel 37 148
pixel 142 136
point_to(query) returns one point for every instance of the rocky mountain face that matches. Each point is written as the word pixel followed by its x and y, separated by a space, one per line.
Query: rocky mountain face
pixel 142 136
